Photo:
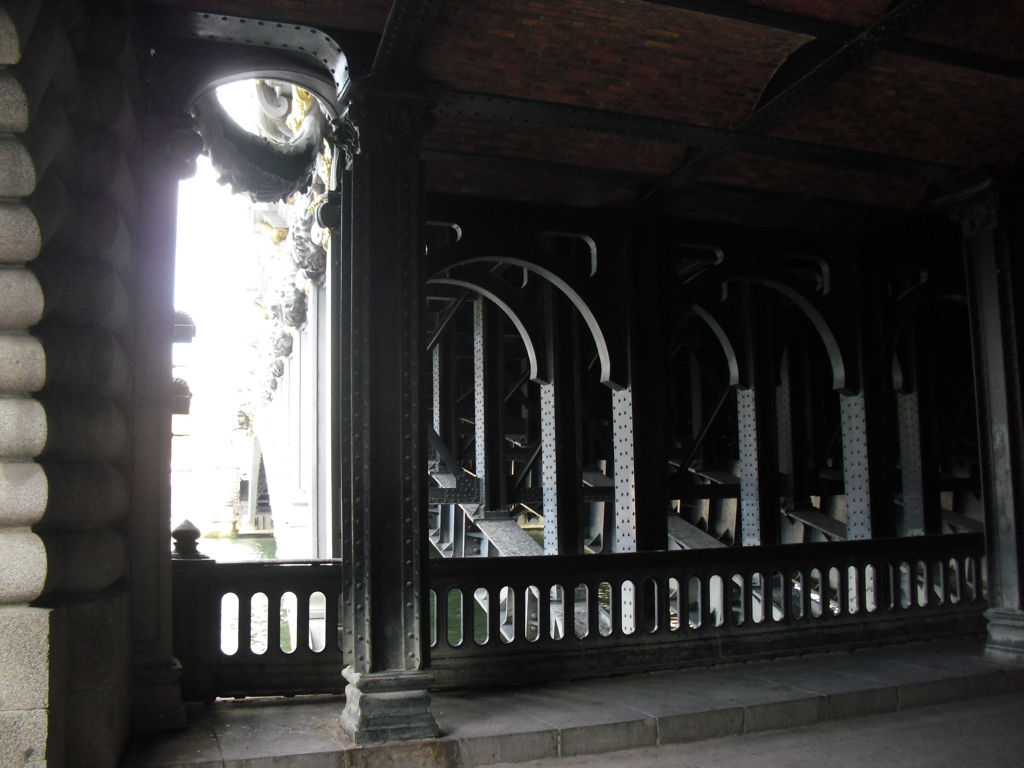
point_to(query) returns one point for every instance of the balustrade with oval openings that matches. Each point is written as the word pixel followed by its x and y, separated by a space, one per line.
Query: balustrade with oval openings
pixel 539 617
pixel 672 608
pixel 262 628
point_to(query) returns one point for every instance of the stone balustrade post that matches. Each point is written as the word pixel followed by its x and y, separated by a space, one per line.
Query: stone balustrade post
pixel 170 147
pixel 195 613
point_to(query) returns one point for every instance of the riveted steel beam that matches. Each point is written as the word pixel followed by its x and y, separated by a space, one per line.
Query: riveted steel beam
pixel 405 31
pixel 832 67
pixel 566 117
pixel 295 52
pixel 522 165
pixel 839 33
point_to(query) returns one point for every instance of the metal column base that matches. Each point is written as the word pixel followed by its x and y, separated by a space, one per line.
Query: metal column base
pixel 387 706
pixel 1005 635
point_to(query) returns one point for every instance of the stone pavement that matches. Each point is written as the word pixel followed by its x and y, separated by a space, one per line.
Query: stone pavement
pixel 621 713
pixel 982 733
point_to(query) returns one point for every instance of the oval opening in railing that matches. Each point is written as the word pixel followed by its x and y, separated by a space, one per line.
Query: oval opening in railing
pixel 778 596
pixel 433 619
pixel 816 593
pixel 736 600
pixel 454 614
pixel 674 604
pixel 288 617
pixel 906 587
pixel 834 606
pixel 317 622
pixel 716 600
pixel 757 589
pixel 259 610
pixel 507 614
pixel 581 611
pixel 870 589
pixel 984 578
pixel 921 580
pixel 694 604
pixel 604 608
pixel 481 616
pixel 532 632
pixel 852 590
pixel 938 582
pixel 889 585
pixel 953 579
pixel 229 624
pixel 971 579
pixel 651 606
pixel 627 608
pixel 556 605
pixel 796 595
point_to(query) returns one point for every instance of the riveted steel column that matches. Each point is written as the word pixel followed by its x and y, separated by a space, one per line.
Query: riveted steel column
pixel 641 412
pixel 625 472
pixel 993 247
pixel 910 522
pixel 866 409
pixel 784 421
pixel 928 378
pixel 383 482
pixel 447 419
pixel 919 451
pixel 856 472
pixel 802 441
pixel 489 402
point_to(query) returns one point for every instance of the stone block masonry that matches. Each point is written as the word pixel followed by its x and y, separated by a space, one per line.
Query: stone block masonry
pixel 69 157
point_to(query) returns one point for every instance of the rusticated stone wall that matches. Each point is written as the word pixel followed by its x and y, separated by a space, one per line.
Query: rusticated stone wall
pixel 69 154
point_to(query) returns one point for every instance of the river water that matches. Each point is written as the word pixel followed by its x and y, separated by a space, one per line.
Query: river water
pixel 239 550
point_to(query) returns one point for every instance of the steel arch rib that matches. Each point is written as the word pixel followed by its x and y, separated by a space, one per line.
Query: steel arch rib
pixel 714 277
pixel 611 347
pixel 494 288
pixel 723 339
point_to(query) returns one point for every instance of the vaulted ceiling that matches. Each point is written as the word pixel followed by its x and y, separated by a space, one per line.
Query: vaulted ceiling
pixel 814 114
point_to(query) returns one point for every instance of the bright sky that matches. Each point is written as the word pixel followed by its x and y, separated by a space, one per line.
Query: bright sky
pixel 239 100
pixel 216 278
pixel 215 269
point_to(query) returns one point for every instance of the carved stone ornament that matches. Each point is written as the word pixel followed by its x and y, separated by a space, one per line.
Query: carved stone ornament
pixel 977 213
pixel 308 256
pixel 181 397
pixel 285 315
pixel 346 138
pixel 251 164
pixel 171 147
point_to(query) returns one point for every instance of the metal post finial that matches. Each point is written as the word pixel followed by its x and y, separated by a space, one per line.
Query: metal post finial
pixel 186 538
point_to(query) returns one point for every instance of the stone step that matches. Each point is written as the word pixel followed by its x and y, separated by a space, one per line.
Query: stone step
pixel 982 733
pixel 491 726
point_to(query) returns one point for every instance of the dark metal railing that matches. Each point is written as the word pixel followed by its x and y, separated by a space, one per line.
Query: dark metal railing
pixel 257 629
pixel 251 629
pixel 514 619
